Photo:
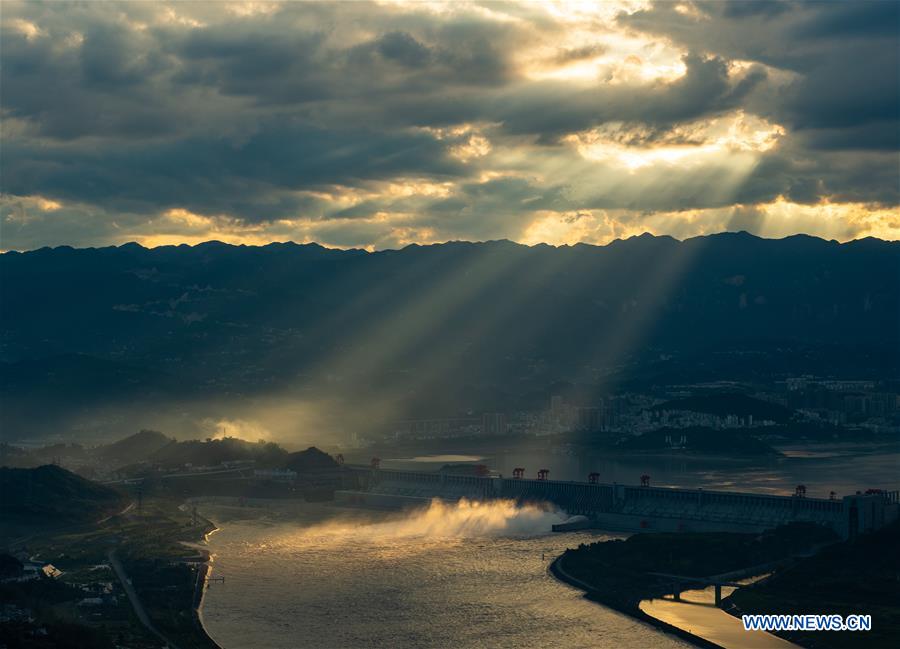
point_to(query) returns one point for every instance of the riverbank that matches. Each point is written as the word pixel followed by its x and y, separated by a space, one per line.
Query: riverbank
pixel 431 579
pixel 622 574
pixel 861 576
pixel 625 606
pixel 203 573
pixel 132 579
pixel 216 512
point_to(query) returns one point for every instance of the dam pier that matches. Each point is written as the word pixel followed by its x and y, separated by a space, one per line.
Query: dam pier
pixel 627 508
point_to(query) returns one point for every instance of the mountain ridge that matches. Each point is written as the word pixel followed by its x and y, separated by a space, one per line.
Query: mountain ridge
pixel 419 326
pixel 131 245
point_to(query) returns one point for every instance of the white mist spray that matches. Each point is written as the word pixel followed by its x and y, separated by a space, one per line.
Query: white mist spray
pixel 471 518
pixel 437 523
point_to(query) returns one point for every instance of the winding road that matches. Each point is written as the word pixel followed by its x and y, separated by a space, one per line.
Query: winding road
pixel 139 609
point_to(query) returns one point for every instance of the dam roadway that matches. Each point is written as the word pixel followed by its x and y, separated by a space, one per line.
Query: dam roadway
pixel 628 507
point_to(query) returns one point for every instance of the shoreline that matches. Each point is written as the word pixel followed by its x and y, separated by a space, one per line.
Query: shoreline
pixel 631 609
pixel 203 573
pixel 555 568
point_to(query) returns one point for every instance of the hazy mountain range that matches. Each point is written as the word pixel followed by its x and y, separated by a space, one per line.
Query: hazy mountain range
pixel 436 329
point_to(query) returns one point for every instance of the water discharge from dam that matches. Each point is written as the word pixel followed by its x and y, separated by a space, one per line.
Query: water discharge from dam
pixel 463 576
pixel 443 521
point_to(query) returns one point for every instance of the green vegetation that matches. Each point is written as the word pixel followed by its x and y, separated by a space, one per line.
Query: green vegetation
pixel 72 523
pixel 134 447
pixel 54 635
pixel 618 570
pixel 163 570
pixel 150 543
pixel 10 567
pixel 81 526
pixel 156 449
pixel 14 456
pixel 212 452
pixel 312 459
pixel 50 495
pixel 860 576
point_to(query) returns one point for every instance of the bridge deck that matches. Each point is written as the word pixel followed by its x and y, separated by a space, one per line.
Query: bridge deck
pixel 706 581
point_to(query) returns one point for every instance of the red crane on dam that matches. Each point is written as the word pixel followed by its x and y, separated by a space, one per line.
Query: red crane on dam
pixel 543 473
pixel 800 491
pixel 645 480
pixel 519 472
pixel 593 477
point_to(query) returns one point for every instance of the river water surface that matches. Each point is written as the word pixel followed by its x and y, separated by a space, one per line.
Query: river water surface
pixel 460 577
pixel 466 577
pixel 698 614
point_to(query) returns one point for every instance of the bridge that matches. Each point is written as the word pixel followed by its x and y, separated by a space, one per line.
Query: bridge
pixel 628 507
pixel 680 581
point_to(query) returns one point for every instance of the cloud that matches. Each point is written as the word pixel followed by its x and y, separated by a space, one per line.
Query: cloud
pixel 569 55
pixel 380 123
pixel 257 177
pixel 842 58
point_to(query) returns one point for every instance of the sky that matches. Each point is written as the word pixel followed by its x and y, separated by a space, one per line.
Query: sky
pixel 376 125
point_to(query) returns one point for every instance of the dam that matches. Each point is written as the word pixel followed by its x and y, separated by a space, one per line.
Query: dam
pixel 628 508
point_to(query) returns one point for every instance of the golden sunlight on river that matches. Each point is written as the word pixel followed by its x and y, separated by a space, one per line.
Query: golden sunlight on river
pixel 464 576
pixel 697 613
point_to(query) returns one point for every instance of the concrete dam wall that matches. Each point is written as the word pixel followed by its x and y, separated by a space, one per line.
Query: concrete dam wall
pixel 628 507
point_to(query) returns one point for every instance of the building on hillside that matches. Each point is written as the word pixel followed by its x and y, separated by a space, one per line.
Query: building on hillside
pixel 276 475
pixel 494 423
pixel 51 571
pixel 590 418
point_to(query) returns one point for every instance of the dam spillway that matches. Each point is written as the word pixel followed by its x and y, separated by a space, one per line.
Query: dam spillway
pixel 629 507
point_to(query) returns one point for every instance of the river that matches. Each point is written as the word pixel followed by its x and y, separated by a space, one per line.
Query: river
pixel 322 577
pixel 698 614
pixel 449 577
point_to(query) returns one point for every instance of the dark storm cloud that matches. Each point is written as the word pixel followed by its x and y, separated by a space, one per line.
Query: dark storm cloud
pixel 214 175
pixel 766 8
pixel 143 107
pixel 146 80
pixel 843 58
pixel 289 60
pixel 804 177
pixel 863 19
pixel 404 49
pixel 266 66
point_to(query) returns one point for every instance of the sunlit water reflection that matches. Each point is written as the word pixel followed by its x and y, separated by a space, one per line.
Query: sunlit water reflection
pixel 472 578
pixel 469 576
pixel 697 613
